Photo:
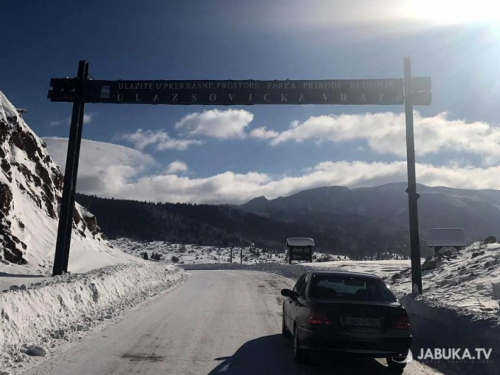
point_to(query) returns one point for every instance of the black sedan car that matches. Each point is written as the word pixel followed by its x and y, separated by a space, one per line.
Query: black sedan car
pixel 346 312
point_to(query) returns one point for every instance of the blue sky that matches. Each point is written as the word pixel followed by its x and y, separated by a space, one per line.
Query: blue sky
pixel 458 47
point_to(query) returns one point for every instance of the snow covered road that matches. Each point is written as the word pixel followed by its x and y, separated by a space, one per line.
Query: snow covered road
pixel 225 322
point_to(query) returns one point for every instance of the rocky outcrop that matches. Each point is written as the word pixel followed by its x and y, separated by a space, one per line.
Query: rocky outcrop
pixel 30 184
pixel 91 222
pixel 5 200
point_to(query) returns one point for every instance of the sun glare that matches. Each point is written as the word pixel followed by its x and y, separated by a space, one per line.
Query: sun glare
pixel 451 12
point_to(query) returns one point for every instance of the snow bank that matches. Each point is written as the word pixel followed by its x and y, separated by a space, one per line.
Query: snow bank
pixel 63 308
pixel 463 281
pixel 441 327
pixel 459 307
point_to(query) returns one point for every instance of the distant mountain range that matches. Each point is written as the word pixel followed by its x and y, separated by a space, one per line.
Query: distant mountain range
pixel 476 211
pixel 357 223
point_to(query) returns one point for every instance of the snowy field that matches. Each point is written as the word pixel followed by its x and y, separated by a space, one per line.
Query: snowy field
pixel 195 254
pixel 210 257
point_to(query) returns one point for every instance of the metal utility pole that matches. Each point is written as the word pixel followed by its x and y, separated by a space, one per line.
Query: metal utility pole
pixel 70 175
pixel 416 271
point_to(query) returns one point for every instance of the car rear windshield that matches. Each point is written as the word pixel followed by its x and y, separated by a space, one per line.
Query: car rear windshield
pixel 349 288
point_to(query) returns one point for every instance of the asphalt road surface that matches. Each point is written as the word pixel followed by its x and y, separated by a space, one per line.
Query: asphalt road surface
pixel 218 322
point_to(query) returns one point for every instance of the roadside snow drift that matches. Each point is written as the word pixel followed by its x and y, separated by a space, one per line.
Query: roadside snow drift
pixel 62 308
pixel 464 281
pixel 30 189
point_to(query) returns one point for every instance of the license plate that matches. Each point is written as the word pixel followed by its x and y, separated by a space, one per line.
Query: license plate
pixel 361 322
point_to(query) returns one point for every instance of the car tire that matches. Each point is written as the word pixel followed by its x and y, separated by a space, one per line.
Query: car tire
pixel 284 331
pixel 396 363
pixel 299 355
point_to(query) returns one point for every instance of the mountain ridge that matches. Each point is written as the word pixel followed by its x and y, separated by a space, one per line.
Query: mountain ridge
pixel 476 211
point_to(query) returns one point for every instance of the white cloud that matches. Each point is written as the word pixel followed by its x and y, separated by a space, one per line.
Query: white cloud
pixel 176 166
pixel 157 138
pixel 104 168
pixel 87 118
pixel 115 171
pixel 213 123
pixel 263 133
pixel 230 187
pixel 385 133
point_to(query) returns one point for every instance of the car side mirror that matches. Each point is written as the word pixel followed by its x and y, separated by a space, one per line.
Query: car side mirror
pixel 289 293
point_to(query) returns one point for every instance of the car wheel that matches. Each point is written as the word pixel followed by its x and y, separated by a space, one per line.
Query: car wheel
pixel 284 330
pixel 396 362
pixel 299 354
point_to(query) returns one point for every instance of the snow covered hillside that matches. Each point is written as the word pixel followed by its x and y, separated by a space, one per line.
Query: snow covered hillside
pixel 30 187
pixel 465 281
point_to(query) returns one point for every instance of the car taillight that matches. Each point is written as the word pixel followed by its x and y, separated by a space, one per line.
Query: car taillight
pixel 402 321
pixel 318 317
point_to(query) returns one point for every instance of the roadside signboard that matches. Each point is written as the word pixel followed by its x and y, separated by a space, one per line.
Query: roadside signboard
pixel 300 248
pixel 237 92
pixel 301 253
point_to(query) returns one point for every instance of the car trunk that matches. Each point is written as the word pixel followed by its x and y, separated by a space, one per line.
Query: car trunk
pixel 359 316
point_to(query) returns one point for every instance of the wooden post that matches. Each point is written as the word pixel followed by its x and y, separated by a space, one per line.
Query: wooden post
pixel 67 204
pixel 231 256
pixel 241 255
pixel 416 270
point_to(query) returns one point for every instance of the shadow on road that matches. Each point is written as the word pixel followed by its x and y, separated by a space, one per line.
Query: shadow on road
pixel 273 355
